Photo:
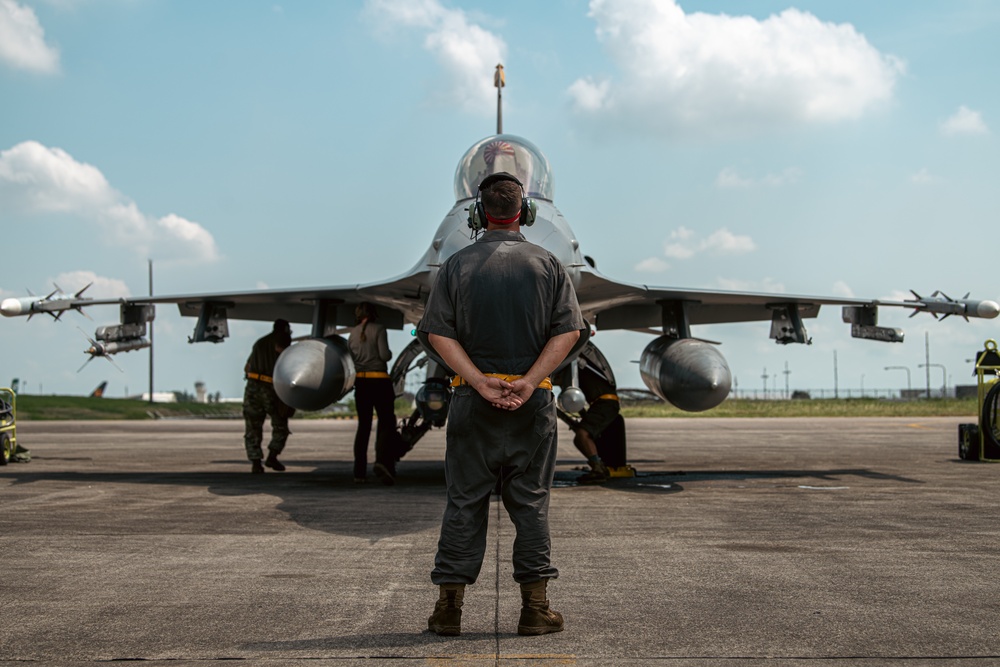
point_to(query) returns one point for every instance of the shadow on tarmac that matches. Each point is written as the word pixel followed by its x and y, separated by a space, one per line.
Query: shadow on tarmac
pixel 408 640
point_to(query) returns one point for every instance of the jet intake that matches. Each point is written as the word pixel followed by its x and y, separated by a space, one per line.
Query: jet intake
pixel 313 373
pixel 688 373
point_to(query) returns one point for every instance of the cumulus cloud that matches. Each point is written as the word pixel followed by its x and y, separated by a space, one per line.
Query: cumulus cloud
pixel 683 243
pixel 37 179
pixel 467 52
pixel 965 121
pixel 719 73
pixel 101 287
pixel 769 285
pixel 652 265
pixel 22 40
pixel 841 288
pixel 729 178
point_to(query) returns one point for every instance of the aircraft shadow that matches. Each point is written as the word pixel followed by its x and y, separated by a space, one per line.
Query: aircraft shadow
pixel 377 642
pixel 324 498
pixel 647 481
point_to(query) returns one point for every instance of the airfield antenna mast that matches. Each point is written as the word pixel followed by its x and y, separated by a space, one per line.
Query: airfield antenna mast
pixel 498 83
pixel 150 335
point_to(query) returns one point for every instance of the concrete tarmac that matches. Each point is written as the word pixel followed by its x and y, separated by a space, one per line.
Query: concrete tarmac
pixel 741 542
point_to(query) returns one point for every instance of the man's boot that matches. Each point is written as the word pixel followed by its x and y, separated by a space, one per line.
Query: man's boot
pixel 273 463
pixel 536 617
pixel 598 474
pixel 256 466
pixel 385 472
pixel 447 617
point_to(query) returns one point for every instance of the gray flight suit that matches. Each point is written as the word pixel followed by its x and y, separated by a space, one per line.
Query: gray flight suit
pixel 502 299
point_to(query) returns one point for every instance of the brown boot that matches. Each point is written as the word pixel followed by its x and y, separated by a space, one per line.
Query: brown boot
pixel 447 617
pixel 536 617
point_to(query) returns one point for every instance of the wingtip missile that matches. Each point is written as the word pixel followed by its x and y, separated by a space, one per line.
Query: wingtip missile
pixel 940 306
pixel 55 303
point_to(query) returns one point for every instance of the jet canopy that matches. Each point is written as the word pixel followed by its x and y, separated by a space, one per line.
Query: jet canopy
pixel 504 152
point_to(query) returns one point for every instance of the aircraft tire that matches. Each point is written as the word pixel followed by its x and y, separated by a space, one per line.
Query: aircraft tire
pixel 988 422
pixel 6 449
pixel 968 442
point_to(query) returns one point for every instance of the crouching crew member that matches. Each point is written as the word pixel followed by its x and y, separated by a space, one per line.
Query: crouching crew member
pixel 597 382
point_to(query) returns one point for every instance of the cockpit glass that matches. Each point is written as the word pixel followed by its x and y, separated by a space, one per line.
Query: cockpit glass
pixel 504 152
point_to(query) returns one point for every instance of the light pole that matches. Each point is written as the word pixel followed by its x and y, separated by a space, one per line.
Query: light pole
pixel 944 377
pixel 909 386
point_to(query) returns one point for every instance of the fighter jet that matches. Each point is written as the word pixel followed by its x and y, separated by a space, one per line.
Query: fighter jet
pixel 677 366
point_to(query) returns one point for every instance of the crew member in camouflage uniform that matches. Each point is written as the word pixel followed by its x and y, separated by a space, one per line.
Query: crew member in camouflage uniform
pixel 603 407
pixel 503 315
pixel 260 399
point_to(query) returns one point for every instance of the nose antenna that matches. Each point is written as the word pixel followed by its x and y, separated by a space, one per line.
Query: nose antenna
pixel 498 83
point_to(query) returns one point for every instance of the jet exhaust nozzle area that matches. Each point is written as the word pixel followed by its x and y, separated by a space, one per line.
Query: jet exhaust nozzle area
pixel 688 373
pixel 313 373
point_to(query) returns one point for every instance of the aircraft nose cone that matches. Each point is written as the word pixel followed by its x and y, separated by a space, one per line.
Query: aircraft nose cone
pixel 987 309
pixel 10 307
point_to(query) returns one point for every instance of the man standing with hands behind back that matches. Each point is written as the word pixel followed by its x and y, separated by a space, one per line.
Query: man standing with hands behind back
pixel 503 315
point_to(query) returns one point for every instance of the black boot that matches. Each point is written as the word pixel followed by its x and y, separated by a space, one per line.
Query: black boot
pixel 256 466
pixel 385 472
pixel 536 617
pixel 447 617
pixel 273 463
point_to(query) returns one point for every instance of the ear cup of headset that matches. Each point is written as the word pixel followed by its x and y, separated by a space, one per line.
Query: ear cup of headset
pixel 477 216
pixel 477 212
pixel 529 209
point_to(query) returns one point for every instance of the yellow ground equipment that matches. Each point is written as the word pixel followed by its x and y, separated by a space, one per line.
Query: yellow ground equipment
pixel 981 442
pixel 8 425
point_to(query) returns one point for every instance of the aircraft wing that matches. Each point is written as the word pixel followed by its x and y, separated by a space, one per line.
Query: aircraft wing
pixel 398 300
pixel 616 305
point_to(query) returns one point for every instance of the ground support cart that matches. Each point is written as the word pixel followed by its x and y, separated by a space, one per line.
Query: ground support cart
pixel 981 442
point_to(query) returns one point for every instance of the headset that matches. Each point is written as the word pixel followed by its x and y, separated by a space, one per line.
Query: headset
pixel 477 213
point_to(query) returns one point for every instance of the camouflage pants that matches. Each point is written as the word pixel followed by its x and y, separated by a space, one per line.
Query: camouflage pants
pixel 259 402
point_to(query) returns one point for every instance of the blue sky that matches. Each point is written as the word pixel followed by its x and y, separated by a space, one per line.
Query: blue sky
pixel 832 148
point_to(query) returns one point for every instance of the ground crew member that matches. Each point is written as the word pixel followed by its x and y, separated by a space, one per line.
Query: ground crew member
pixel 260 399
pixel 502 314
pixel 373 389
pixel 597 383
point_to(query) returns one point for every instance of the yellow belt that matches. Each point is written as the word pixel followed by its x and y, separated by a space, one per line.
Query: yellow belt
pixel 506 377
pixel 371 374
pixel 261 378
pixel 606 397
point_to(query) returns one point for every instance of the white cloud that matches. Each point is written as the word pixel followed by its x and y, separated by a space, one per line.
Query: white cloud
pixel 679 245
pixel 683 243
pixel 652 265
pixel 38 179
pixel 724 242
pixel 22 40
pixel 840 288
pixel 769 285
pixel 729 178
pixel 964 121
pixel 101 287
pixel 467 52
pixel 922 177
pixel 719 73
